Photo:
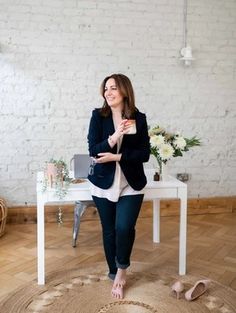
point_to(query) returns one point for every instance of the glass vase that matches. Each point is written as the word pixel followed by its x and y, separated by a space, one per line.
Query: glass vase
pixel 160 171
pixel 158 176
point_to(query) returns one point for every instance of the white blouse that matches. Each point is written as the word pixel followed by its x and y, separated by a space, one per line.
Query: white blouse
pixel 120 186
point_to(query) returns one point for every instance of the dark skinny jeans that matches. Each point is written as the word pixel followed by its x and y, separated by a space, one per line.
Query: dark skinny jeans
pixel 118 221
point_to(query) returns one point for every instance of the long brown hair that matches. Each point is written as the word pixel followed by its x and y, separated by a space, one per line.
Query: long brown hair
pixel 125 87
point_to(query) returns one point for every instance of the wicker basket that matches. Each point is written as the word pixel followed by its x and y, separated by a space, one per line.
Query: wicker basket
pixel 3 216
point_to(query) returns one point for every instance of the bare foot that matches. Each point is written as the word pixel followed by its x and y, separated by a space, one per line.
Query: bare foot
pixel 118 285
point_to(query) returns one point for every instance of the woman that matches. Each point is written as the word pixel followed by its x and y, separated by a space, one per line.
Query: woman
pixel 119 143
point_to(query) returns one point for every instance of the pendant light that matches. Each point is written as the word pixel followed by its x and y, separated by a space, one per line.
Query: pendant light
pixel 186 51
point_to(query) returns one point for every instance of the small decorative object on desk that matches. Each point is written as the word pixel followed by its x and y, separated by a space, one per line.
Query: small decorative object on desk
pixel 165 146
pixel 56 175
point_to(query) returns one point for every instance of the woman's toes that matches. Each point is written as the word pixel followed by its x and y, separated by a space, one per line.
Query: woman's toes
pixel 117 292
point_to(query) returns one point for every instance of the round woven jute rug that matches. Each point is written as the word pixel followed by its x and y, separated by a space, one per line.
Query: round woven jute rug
pixel 87 290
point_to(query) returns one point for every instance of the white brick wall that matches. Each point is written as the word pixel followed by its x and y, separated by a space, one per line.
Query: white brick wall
pixel 54 55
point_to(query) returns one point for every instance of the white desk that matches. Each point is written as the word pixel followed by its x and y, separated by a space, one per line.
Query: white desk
pixel 170 188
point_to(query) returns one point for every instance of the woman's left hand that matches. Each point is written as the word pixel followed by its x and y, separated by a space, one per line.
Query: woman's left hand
pixel 107 157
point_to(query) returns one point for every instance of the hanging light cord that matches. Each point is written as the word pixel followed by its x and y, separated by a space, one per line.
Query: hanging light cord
pixel 185 23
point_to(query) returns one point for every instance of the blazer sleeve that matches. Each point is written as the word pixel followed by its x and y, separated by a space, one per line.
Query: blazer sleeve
pixel 96 142
pixel 141 152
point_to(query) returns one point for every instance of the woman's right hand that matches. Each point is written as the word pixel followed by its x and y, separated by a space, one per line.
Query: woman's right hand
pixel 122 128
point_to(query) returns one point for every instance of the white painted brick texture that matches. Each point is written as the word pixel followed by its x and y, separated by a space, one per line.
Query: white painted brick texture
pixel 54 55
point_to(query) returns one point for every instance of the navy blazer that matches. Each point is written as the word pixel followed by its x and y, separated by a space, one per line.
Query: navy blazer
pixel 135 149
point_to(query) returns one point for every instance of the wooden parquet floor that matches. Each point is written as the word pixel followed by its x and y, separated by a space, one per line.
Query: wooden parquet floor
pixel 211 248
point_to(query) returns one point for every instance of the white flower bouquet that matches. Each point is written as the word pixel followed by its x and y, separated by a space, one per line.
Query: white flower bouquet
pixel 165 146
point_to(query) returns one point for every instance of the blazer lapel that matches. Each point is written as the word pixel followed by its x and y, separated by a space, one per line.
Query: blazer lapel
pixel 109 125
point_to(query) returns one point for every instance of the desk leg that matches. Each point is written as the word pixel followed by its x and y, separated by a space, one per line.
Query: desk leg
pixel 40 242
pixel 156 220
pixel 182 230
pixel 78 212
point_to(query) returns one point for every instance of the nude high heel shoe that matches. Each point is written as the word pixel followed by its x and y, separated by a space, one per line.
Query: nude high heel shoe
pixel 177 288
pixel 197 290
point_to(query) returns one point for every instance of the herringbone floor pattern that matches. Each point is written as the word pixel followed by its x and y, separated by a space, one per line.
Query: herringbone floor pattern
pixel 211 248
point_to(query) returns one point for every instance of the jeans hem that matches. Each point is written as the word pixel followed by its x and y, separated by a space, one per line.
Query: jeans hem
pixel 122 266
pixel 111 276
